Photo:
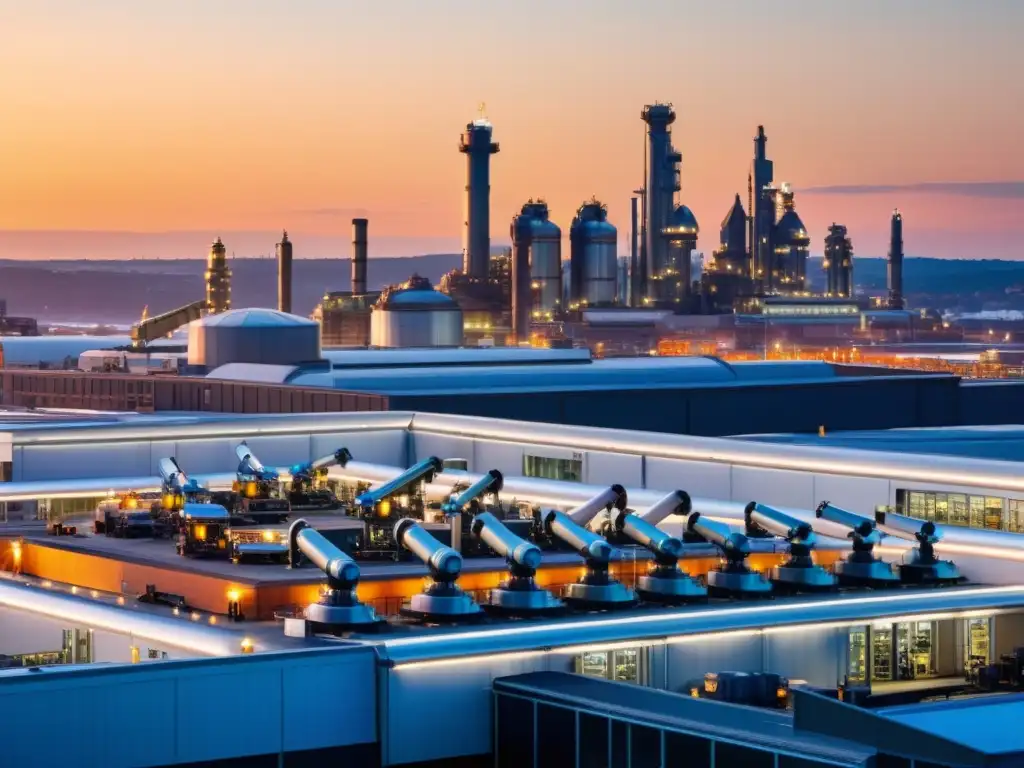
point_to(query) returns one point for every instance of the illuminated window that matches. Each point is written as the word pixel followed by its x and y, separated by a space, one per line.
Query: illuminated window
pixel 569 470
pixel 625 665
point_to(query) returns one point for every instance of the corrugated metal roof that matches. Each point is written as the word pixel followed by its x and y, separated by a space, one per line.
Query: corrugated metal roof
pixel 258 372
pixel 376 358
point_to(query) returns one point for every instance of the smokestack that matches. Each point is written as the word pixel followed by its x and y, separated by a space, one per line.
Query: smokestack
pixel 359 256
pixel 218 279
pixel 895 264
pixel 634 263
pixel 477 146
pixel 284 274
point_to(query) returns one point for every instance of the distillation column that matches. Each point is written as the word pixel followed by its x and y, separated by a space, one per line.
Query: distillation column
pixel 662 184
pixel 218 279
pixel 477 146
pixel 762 210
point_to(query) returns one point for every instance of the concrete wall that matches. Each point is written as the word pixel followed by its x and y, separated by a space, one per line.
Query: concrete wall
pixel 164 713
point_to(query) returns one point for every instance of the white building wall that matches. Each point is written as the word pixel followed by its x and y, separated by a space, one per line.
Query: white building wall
pixel 607 468
pixel 710 481
pixel 773 486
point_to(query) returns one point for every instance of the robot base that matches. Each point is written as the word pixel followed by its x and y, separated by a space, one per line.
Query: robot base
pixel 802 579
pixel 939 572
pixel 874 573
pixel 443 604
pixel 332 619
pixel 736 583
pixel 670 590
pixel 511 599
pixel 611 595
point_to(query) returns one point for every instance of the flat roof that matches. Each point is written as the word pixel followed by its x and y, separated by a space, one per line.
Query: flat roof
pixel 761 728
pixel 990 725
pixel 1003 442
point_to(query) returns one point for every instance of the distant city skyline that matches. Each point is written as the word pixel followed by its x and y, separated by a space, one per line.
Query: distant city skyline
pixel 188 120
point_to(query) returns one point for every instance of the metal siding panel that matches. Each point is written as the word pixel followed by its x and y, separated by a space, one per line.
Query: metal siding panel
pixel 607 468
pixel 697 478
pixel 75 462
pixel 773 486
pixel 445 447
pixel 691 660
pixel 315 716
pixel 812 655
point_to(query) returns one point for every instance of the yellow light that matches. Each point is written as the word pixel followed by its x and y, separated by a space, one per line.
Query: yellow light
pixel 131 503
pixel 234 595
pixel 176 612
pixel 74 590
pixel 135 654
pixel 780 693
pixel 269 536
pixel 250 490
pixel 247 645
pixel 213 619
pixel 385 508
pixel 195 616
pixel 94 593
pixel 47 584
pixel 120 600
pixel 199 532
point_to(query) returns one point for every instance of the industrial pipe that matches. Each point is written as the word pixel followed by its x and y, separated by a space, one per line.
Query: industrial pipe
pixel 424 470
pixel 863 527
pixel 445 563
pixel 779 524
pixel 284 274
pixel 649 536
pixel 250 465
pixel 516 551
pixel 675 503
pixel 592 547
pixel 734 545
pixel 861 568
pixel 338 607
pixel 442 600
pixel 491 482
pixel 341 570
pixel 615 496
pixel 909 529
pixel 920 565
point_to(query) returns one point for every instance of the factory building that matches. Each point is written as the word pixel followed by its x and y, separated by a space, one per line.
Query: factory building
pixel 218 279
pixel 630 634
pixel 726 277
pixel 838 263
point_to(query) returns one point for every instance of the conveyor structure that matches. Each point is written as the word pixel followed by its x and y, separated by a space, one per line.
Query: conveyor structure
pixel 519 595
pixel 735 578
pixel 664 583
pixel 799 573
pixel 861 568
pixel 338 608
pixel 409 480
pixel 920 565
pixel 596 589
pixel 150 328
pixel 469 500
pixel 442 600
pixel 308 486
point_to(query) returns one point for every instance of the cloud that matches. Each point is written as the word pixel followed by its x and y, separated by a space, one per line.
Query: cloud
pixel 1005 190
pixel 332 212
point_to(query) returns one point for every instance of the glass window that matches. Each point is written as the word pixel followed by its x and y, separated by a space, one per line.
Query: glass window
pixel 627 669
pixel 881 654
pixel 977 504
pixel 993 513
pixel 593 664
pixel 941 508
pixel 929 506
pixel 916 505
pixel 1014 516
pixel 958 509
pixel 976 634
pixel 857 669
pixel 569 470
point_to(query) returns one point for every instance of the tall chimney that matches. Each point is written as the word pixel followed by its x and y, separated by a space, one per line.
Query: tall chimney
pixel 633 297
pixel 284 274
pixel 359 256
pixel 895 265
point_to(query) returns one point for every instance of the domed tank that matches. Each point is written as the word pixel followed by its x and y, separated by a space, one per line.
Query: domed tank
pixel 413 314
pixel 792 247
pixel 593 258
pixel 670 281
pixel 263 336
pixel 545 259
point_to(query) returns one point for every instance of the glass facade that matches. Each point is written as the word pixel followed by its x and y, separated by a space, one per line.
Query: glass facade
pixel 626 665
pixel 569 470
pixel 968 511
pixel 977 644
pixel 889 652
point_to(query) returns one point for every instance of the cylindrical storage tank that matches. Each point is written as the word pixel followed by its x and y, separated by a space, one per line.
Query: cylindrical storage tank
pixel 593 258
pixel 415 315
pixel 545 264
pixel 522 299
pixel 253 336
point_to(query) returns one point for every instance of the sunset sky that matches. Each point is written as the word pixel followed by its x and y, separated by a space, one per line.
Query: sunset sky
pixel 193 118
